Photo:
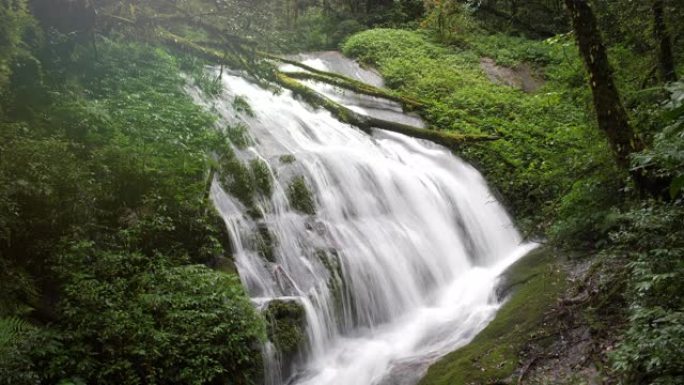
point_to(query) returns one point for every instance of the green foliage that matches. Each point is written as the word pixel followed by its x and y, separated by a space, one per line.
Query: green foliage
pixel 652 237
pixel 241 105
pixel 286 325
pixel 201 76
pixel 24 350
pixel 262 176
pixel 16 21
pixel 238 135
pixel 129 318
pixel 530 18
pixel 117 157
pixel 287 159
pixel 666 158
pixel 585 212
pixel 300 196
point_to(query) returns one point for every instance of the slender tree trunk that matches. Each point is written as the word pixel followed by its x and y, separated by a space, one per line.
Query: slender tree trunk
pixel 612 117
pixel 662 37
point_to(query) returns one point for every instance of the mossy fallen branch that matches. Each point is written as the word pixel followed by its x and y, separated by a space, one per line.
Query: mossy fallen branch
pixel 342 113
pixel 367 123
pixel 359 87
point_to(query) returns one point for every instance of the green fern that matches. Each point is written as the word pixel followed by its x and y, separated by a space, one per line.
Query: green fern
pixel 10 330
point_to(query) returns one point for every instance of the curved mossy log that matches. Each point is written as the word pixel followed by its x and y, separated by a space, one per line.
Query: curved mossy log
pixel 358 87
pixel 367 123
pixel 345 82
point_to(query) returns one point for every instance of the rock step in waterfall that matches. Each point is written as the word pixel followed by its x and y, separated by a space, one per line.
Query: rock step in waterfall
pixel 386 248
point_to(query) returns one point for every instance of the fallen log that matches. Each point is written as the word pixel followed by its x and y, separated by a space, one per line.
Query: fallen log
pixel 368 123
pixel 342 113
pixel 358 87
pixel 342 81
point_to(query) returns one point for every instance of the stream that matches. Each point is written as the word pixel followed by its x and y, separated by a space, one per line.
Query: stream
pixel 400 263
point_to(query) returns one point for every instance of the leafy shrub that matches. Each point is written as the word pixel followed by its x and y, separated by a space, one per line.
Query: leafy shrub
pixel 666 158
pixel 262 176
pixel 128 318
pixel 585 213
pixel 652 236
pixel 28 354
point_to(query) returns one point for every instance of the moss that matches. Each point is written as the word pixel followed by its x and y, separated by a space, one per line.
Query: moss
pixel 244 181
pixel 237 179
pixel 336 284
pixel 238 135
pixel 287 159
pixel 240 104
pixel 493 355
pixel 286 321
pixel 262 176
pixel 300 196
pixel 265 243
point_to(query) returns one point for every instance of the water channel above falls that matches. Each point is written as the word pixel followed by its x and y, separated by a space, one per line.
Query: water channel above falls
pixel 399 264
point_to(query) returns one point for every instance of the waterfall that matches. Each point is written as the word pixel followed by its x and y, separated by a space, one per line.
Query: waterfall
pixel 398 265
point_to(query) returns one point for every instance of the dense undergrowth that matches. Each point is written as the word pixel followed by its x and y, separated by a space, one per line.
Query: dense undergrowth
pixel 106 226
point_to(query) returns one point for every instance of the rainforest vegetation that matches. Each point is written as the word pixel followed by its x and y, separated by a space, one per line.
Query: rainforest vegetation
pixel 115 267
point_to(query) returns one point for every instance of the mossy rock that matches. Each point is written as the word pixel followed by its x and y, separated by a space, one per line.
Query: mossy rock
pixel 236 178
pixel 286 322
pixel 245 181
pixel 287 159
pixel 300 196
pixel 238 135
pixel 262 176
pixel 265 242
pixel 533 285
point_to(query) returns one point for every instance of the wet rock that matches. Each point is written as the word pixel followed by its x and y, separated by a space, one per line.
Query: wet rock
pixel 286 321
pixel 222 264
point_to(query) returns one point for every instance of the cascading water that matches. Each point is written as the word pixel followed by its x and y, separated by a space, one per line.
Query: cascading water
pixel 400 262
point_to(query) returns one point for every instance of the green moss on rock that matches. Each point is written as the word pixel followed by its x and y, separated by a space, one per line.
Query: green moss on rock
pixel 286 322
pixel 265 243
pixel 493 356
pixel 300 197
pixel 262 176
pixel 287 159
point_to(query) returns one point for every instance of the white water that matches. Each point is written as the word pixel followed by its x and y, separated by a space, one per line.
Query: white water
pixel 417 239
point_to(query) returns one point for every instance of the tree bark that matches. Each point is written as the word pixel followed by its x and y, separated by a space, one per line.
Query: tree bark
pixel 611 114
pixel 662 37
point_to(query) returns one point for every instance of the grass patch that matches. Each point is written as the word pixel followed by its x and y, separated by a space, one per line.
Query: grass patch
pixel 494 353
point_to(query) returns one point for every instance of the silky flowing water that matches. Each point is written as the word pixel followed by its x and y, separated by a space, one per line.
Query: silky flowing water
pixel 399 265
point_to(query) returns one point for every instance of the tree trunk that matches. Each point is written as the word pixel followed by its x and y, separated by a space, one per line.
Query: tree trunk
pixel 611 115
pixel 662 37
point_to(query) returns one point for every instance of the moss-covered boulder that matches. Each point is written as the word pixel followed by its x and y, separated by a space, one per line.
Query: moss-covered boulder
pixel 264 242
pixel 286 322
pixel 532 285
pixel 300 196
